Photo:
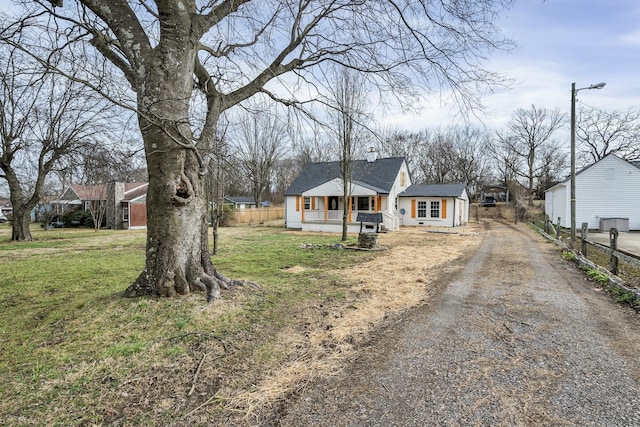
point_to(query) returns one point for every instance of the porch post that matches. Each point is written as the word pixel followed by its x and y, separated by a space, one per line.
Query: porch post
pixel 302 207
pixel 326 208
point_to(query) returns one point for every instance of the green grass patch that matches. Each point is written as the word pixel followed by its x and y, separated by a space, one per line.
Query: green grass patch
pixel 70 344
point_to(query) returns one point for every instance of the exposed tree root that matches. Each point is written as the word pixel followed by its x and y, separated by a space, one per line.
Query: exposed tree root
pixel 214 283
pixel 211 284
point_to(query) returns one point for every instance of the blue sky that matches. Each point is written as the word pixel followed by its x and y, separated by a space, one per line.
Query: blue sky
pixel 560 42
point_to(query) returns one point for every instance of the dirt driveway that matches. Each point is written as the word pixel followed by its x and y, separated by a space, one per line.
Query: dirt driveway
pixel 516 338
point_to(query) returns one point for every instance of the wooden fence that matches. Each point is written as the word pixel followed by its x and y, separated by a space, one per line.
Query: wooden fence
pixel 256 216
pixel 581 256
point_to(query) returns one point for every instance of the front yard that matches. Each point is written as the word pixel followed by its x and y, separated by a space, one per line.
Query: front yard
pixel 74 352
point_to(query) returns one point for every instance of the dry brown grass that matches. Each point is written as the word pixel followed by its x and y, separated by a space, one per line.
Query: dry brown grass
pixel 380 291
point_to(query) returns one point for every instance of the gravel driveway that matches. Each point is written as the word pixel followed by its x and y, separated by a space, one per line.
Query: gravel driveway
pixel 517 337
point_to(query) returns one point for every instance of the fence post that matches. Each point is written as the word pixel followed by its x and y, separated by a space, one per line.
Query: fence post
pixel 558 229
pixel 613 244
pixel 584 236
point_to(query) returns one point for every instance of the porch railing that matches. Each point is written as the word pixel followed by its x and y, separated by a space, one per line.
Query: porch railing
pixel 390 221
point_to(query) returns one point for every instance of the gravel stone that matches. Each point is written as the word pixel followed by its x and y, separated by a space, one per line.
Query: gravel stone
pixel 517 337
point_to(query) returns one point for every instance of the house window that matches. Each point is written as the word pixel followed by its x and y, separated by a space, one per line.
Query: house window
pixel 403 179
pixel 125 212
pixel 422 209
pixel 363 203
pixel 435 209
pixel 307 203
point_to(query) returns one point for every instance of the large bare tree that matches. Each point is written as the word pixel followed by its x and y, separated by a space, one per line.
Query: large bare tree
pixel 348 125
pixel 43 119
pixel 600 133
pixel 529 134
pixel 186 59
pixel 260 140
pixel 395 142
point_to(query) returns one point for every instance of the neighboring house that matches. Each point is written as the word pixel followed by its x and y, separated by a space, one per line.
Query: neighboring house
pixel 607 194
pixel 240 202
pixel 442 205
pixel 124 203
pixel 5 207
pixel 315 199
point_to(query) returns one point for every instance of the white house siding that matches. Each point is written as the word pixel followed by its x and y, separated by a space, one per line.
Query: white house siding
pixel 557 205
pixel 609 188
pixel 396 189
pixel 456 204
pixel 313 218
pixel 293 217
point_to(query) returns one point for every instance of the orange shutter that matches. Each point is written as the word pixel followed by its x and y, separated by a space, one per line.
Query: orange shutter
pixel 379 205
pixel 297 203
pixel 313 203
pixel 444 209
pixel 326 208
pixel 413 208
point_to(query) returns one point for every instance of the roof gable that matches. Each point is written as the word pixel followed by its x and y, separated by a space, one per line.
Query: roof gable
pixel 379 174
pixel 85 192
pixel 241 199
pixel 135 190
pixel 608 159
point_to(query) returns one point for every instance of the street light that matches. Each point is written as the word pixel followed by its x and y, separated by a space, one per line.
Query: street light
pixel 574 92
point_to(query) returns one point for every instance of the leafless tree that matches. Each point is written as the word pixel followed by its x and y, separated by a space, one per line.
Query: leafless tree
pixel 96 205
pixel 599 133
pixel 43 118
pixel 437 157
pixel 554 163
pixel 410 145
pixel 454 154
pixel 348 125
pixel 529 133
pixel 285 171
pixel 311 145
pixel 191 58
pixel 219 168
pixel 260 141
pixel 471 159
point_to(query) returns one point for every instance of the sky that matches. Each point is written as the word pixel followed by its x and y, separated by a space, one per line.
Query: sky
pixel 559 42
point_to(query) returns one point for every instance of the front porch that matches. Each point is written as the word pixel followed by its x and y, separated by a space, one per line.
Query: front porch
pixel 322 208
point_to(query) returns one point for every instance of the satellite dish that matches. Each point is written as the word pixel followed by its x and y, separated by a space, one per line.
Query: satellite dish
pixel 402 211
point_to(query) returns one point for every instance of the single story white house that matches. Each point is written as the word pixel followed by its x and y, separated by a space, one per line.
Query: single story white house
pixel 240 202
pixel 315 199
pixel 607 195
pixel 442 205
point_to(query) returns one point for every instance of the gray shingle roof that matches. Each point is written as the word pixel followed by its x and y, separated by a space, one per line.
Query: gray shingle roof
pixel 240 199
pixel 433 190
pixel 379 175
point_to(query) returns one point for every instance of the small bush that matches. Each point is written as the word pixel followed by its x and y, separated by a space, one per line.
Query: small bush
pixel 568 255
pixel 598 276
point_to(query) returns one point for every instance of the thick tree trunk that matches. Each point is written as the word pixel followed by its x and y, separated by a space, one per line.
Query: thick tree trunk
pixel 178 259
pixel 20 225
pixel 177 254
